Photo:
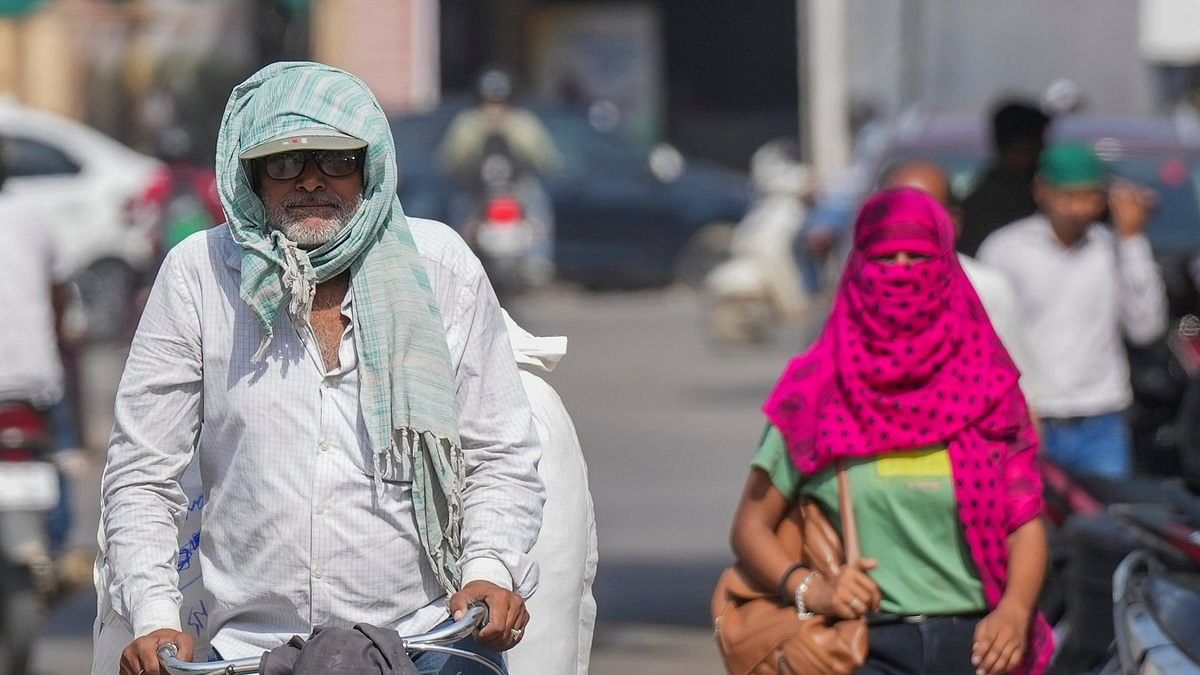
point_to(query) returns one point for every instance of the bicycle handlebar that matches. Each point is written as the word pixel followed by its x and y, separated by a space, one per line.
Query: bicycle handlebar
pixel 475 618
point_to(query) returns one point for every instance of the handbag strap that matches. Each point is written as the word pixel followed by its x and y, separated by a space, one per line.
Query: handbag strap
pixel 849 523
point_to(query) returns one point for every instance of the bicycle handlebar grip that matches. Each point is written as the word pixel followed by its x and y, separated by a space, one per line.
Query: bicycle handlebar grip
pixel 487 613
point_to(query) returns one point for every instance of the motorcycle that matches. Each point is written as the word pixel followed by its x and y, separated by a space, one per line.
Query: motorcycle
pixel 511 229
pixel 1156 591
pixel 760 287
pixel 29 489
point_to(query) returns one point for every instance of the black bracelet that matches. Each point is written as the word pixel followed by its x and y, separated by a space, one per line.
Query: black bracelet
pixel 784 595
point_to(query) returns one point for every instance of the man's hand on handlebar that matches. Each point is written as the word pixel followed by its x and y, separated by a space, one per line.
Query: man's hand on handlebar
pixel 141 656
pixel 507 620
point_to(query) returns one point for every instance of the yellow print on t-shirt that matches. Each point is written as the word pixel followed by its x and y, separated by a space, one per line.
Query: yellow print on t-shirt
pixel 925 463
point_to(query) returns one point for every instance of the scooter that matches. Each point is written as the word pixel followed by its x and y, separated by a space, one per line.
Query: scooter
pixel 509 230
pixel 29 489
pixel 760 287
pixel 1156 591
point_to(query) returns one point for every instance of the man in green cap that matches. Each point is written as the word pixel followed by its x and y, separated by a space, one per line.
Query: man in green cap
pixel 343 376
pixel 1082 288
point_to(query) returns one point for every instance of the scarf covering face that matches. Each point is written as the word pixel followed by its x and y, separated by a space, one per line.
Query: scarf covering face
pixel 908 359
pixel 406 391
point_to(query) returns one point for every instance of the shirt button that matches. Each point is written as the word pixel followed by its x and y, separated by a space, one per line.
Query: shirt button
pixel 320 510
pixel 324 446
pixel 316 574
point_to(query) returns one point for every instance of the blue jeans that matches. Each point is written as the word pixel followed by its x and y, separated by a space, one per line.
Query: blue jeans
pixel 935 646
pixel 429 663
pixel 1099 445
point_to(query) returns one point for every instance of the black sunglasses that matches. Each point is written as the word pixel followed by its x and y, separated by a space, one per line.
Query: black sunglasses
pixel 332 163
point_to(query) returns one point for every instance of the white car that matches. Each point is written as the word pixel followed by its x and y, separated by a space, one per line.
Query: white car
pixel 103 200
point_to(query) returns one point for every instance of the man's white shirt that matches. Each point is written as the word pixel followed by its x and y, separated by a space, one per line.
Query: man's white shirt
pixel 293 537
pixel 1075 305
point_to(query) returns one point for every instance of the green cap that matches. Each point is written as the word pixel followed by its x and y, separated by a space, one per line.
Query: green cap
pixel 1071 166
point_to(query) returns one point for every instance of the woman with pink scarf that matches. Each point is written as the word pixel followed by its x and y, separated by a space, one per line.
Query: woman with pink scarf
pixel 909 387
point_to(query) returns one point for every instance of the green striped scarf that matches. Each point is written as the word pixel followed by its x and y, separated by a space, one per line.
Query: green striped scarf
pixel 406 390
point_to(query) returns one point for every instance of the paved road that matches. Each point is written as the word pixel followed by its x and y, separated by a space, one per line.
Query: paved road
pixel 667 423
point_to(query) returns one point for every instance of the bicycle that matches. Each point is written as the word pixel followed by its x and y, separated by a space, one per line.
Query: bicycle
pixel 436 640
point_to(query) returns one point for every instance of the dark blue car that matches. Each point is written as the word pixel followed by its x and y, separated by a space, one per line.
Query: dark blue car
pixel 619 222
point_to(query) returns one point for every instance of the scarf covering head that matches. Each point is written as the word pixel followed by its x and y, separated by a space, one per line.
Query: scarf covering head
pixel 908 359
pixel 406 391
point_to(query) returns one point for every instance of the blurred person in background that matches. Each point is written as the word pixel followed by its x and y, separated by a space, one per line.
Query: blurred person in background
pixel 1083 288
pixel 995 292
pixel 337 369
pixel 499 127
pixel 497 119
pixel 1005 191
pixel 34 295
pixel 911 390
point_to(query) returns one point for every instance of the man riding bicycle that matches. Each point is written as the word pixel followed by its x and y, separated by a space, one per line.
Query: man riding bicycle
pixel 343 376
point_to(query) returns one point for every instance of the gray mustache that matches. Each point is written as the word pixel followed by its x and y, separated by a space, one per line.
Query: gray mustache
pixel 313 201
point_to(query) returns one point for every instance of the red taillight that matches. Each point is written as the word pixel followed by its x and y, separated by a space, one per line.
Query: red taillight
pixel 147 207
pixel 503 211
pixel 23 432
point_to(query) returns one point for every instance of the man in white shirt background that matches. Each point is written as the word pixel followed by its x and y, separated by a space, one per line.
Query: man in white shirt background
pixel 343 377
pixel 1083 288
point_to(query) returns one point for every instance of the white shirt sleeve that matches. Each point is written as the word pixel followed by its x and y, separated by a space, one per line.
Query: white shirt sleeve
pixel 1143 303
pixel 502 504
pixel 157 423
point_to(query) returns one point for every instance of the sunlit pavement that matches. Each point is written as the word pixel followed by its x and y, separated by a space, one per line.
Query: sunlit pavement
pixel 668 424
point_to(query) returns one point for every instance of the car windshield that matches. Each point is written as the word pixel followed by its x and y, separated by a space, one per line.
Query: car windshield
pixel 1175 177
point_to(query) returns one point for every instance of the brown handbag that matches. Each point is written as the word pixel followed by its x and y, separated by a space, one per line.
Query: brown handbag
pixel 760 635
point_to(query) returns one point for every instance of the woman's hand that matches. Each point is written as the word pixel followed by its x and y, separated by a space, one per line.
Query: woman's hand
pixel 849 595
pixel 1000 639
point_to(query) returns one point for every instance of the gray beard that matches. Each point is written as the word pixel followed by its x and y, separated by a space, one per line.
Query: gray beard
pixel 309 232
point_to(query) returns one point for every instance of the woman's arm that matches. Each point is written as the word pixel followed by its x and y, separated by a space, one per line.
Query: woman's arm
pixel 1001 638
pixel 1027 558
pixel 760 511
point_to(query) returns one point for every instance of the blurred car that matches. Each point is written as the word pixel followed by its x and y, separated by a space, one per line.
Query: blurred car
pixel 102 200
pixel 623 217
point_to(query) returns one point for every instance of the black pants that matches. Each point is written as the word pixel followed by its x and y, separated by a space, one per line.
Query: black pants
pixel 933 646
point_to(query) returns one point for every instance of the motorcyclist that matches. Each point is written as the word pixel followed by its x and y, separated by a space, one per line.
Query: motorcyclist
pixel 497 127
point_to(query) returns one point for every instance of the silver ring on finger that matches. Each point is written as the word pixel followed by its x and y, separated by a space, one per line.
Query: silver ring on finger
pixel 517 633
pixel 856 605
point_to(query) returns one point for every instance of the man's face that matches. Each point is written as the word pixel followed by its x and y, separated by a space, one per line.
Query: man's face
pixel 1070 210
pixel 313 207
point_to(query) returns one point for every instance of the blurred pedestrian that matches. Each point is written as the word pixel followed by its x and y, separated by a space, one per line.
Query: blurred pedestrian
pixel 911 390
pixel 344 377
pixel 995 292
pixel 1005 191
pixel 1082 289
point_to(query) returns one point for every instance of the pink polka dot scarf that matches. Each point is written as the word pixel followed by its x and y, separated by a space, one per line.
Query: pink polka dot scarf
pixel 909 359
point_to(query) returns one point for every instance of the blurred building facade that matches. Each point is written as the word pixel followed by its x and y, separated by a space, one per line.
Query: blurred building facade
pixel 959 55
pixel 716 79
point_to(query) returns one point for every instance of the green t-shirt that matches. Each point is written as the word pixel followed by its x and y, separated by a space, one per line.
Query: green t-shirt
pixel 907 520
